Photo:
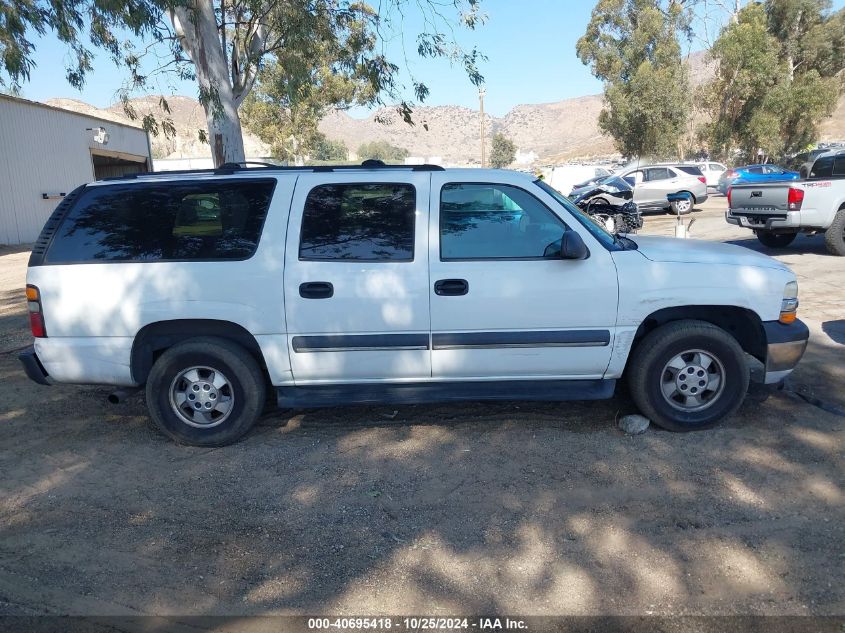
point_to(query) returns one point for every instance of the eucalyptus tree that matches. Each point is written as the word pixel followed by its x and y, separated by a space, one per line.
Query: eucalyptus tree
pixel 634 47
pixel 780 72
pixel 223 44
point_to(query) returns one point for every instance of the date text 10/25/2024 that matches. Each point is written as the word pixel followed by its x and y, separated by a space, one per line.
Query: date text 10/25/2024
pixel 419 623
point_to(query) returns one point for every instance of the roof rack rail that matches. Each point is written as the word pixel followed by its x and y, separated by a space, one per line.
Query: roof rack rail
pixel 228 169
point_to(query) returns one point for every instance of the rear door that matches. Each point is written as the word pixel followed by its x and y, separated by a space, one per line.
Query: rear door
pixel 356 278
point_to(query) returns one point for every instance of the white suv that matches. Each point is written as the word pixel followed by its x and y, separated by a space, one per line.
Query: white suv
pixel 323 286
pixel 672 187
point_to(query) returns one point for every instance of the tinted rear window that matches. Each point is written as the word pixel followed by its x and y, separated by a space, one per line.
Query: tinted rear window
pixel 365 222
pixel 692 170
pixel 828 166
pixel 164 221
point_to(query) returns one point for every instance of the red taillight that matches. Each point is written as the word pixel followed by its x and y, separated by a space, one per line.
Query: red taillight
pixel 731 174
pixel 729 197
pixel 36 316
pixel 702 180
pixel 794 199
pixel 36 324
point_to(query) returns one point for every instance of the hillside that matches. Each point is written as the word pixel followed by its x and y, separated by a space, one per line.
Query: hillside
pixel 188 118
pixel 556 131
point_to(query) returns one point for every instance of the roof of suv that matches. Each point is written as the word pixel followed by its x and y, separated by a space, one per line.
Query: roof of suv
pixel 650 165
pixel 267 169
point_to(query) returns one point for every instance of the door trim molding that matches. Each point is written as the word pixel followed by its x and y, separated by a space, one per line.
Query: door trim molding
pixel 359 343
pixel 500 340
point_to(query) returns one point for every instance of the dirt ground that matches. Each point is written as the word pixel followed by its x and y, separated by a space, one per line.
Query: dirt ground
pixel 444 509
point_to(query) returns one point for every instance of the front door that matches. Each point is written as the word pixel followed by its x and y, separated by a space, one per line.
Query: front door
pixel 356 278
pixel 503 303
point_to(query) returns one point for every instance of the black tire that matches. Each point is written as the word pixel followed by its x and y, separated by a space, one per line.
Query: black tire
pixel 648 362
pixel 834 237
pixel 680 209
pixel 245 384
pixel 775 240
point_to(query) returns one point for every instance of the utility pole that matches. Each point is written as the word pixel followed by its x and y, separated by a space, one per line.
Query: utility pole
pixel 481 93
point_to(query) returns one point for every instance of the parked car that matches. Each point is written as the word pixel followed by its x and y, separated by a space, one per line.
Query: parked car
pixel 652 185
pixel 335 285
pixel 610 202
pixel 615 190
pixel 777 212
pixel 753 174
pixel 804 161
pixel 712 172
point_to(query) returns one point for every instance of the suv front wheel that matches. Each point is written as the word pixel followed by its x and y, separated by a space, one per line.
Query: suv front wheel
pixel 688 375
pixel 205 391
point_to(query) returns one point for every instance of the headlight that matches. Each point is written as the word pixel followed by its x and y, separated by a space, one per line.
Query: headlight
pixel 789 303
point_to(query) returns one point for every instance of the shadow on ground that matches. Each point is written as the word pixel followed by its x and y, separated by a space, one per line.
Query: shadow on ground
pixel 803 245
pixel 508 507
pixel 835 330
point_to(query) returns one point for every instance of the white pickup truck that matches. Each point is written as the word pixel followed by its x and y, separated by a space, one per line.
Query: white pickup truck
pixel 778 211
pixel 220 290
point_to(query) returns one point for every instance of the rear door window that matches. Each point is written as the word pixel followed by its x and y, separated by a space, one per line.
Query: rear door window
pixel 147 222
pixel 692 170
pixel 657 173
pixel 822 168
pixel 828 167
pixel 364 222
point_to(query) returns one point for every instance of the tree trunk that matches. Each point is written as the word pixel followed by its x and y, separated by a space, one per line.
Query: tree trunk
pixel 196 26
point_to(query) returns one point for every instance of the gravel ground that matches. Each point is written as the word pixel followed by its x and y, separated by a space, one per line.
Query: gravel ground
pixel 472 508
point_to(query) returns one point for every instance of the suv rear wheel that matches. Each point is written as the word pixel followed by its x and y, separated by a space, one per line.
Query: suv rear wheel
pixel 206 391
pixel 688 375
pixel 775 240
pixel 683 206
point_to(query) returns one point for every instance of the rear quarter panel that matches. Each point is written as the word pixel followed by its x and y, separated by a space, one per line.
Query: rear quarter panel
pixel 98 308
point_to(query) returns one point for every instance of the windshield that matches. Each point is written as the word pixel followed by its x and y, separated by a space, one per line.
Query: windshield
pixel 596 229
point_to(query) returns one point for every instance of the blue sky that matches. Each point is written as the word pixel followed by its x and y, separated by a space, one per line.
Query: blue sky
pixel 530 45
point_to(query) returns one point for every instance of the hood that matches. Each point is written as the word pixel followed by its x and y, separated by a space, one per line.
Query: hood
pixel 671 249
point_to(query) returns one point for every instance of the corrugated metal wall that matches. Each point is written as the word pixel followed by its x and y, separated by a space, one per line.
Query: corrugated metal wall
pixel 47 150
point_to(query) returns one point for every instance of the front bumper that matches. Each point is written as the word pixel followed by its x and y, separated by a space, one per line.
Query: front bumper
pixel 785 345
pixel 32 366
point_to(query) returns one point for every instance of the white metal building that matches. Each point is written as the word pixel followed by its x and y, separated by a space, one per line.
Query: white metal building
pixel 46 152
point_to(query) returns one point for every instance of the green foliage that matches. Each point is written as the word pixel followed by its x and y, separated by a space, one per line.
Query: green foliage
pixel 382 150
pixel 777 79
pixel 633 46
pixel 237 47
pixel 503 151
pixel 329 150
pixel 328 65
pixel 20 20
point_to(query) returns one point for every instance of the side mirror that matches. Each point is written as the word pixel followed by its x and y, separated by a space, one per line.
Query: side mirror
pixel 573 247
